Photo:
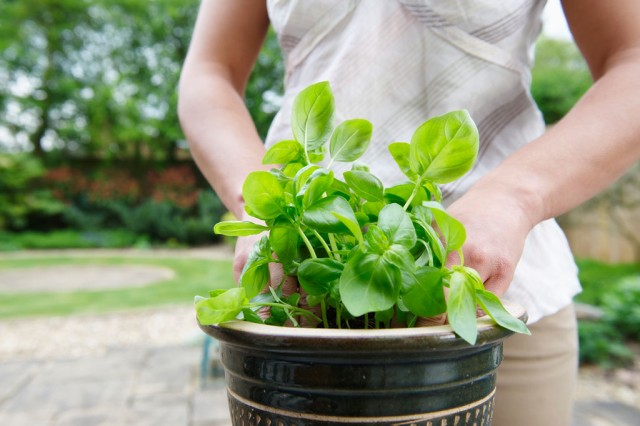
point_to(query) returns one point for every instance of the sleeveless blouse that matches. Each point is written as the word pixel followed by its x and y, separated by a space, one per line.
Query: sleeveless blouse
pixel 399 62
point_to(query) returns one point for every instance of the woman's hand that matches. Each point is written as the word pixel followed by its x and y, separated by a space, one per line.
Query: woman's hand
pixel 497 223
pixel 244 245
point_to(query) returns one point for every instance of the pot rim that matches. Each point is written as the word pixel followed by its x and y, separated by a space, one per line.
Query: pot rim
pixel 246 333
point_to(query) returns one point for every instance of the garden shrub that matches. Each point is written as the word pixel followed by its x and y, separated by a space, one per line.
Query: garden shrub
pixel 560 77
pixel 616 290
pixel 622 307
pixel 602 344
pixel 21 204
pixel 166 205
pixel 69 238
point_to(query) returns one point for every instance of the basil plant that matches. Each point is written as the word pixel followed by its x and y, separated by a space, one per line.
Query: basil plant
pixel 365 255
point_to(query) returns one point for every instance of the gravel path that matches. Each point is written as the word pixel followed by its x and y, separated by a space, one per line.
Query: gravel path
pixel 92 335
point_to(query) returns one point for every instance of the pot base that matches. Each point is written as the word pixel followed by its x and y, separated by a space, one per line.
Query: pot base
pixel 243 412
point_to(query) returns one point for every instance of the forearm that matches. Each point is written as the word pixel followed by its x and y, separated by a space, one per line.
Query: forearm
pixel 581 155
pixel 221 134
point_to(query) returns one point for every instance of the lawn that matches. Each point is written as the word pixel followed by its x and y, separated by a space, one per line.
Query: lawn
pixel 192 277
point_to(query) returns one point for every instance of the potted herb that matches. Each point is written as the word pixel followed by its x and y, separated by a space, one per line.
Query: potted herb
pixel 369 259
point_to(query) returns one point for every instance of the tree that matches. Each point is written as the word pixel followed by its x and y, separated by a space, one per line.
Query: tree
pixel 93 78
pixel 559 78
pixel 36 74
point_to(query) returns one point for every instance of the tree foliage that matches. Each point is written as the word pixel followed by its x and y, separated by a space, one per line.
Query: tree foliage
pixel 559 78
pixel 98 79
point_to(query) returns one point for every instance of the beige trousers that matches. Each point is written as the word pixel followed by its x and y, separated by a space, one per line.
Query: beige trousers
pixel 537 378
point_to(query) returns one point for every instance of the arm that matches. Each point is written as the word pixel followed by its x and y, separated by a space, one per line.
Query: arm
pixel 224 142
pixel 222 137
pixel 581 155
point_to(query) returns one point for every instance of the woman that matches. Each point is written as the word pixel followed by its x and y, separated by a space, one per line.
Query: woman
pixel 399 62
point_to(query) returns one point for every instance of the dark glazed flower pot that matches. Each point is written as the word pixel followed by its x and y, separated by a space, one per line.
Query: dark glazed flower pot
pixel 417 376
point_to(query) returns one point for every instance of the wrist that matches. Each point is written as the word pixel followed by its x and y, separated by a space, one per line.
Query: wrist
pixel 517 195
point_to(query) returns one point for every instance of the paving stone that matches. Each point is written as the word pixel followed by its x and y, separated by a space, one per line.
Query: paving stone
pixel 605 413
pixel 118 365
pixel 92 416
pixel 210 405
pixel 14 376
pixel 31 418
pixel 60 397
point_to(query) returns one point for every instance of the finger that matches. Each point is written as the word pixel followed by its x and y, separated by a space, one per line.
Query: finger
pixel 306 321
pixel 287 283
pixel 430 321
pixel 244 245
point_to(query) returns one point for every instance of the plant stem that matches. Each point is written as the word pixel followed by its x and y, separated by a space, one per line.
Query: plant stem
pixel 323 242
pixel 366 321
pixel 306 241
pixel 334 247
pixel 411 197
pixel 299 311
pixel 338 314
pixel 293 320
pixel 323 306
pixel 461 256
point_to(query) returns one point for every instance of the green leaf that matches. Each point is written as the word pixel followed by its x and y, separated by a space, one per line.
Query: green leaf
pixel 352 226
pixel 376 239
pixel 422 215
pixel 290 170
pixel 255 274
pixel 433 238
pixel 278 316
pixel 372 209
pixel 293 300
pixel 400 256
pixel 444 148
pixel 400 151
pixel 425 253
pixel 263 195
pixel 236 228
pixel 452 230
pixel 340 187
pixel 301 177
pixel 284 239
pixel 423 294
pixel 223 307
pixel 350 140
pixel 284 152
pixel 491 304
pixel 316 275
pixel 251 316
pixel 385 317
pixel 461 309
pixel 320 215
pixel 397 225
pixel 369 283
pixel 400 194
pixel 316 185
pixel 365 185
pixel 311 116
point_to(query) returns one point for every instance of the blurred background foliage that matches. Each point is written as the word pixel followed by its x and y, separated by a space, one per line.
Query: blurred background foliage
pixel 92 155
pixel 91 151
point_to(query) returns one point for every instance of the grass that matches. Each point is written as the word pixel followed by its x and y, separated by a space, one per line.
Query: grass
pixel 192 277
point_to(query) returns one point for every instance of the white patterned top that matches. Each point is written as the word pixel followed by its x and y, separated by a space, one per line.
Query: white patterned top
pixel 399 62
